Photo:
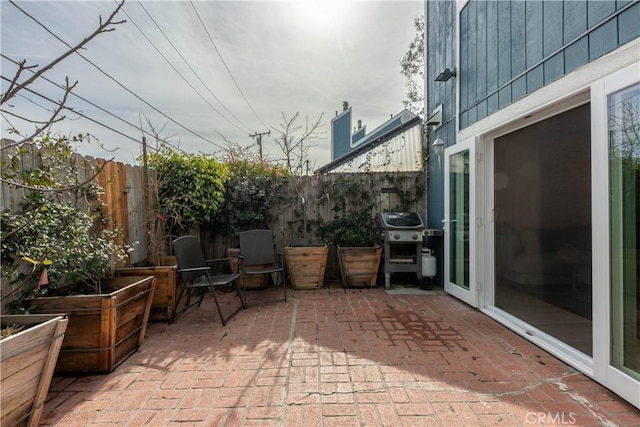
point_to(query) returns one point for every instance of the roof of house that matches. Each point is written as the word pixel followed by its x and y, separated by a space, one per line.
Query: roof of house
pixel 377 137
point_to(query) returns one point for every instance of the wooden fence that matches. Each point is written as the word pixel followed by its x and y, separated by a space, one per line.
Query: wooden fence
pixel 126 203
pixel 123 195
pixel 401 191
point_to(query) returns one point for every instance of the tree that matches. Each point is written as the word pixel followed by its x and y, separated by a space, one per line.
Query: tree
pixel 292 141
pixel 56 179
pixel 19 84
pixel 412 68
pixel 69 240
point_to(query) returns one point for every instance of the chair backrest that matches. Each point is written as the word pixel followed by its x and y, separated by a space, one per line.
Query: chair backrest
pixel 256 247
pixel 188 253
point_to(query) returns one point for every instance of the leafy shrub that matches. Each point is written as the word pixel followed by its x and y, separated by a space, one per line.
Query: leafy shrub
pixel 191 188
pixel 350 230
pixel 254 191
pixel 72 241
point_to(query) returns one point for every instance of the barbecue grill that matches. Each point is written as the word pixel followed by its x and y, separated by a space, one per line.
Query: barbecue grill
pixel 400 234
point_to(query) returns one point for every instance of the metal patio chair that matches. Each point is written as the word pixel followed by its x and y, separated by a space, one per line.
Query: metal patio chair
pixel 258 257
pixel 200 276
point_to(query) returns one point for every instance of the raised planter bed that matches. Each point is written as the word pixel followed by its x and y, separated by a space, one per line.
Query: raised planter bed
pixel 306 265
pixel 359 266
pixel 104 329
pixel 166 290
pixel 27 362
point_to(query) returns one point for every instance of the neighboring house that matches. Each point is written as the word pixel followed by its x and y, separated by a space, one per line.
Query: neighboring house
pixel 394 146
pixel 539 185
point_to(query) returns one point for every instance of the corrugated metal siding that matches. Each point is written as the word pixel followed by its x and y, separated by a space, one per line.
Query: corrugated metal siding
pixel 401 153
pixel 510 49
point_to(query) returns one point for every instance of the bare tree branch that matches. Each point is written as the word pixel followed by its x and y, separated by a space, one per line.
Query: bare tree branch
pixel 292 144
pixel 101 29
pixel 21 67
pixel 54 117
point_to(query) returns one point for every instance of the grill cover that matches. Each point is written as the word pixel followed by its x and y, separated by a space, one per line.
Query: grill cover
pixel 399 220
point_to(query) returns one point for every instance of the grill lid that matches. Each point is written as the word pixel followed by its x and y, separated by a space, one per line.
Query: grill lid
pixel 399 220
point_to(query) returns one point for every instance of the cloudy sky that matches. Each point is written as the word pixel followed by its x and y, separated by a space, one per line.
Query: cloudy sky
pixel 202 72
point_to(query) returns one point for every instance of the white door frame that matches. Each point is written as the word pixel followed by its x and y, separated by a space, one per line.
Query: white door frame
pixel 470 296
pixel 603 371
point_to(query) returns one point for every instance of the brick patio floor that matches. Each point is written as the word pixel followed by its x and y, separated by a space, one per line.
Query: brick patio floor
pixel 335 358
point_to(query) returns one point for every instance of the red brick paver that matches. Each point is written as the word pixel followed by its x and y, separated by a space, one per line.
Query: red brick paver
pixel 335 358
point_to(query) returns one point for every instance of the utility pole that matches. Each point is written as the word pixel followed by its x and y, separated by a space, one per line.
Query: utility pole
pixel 259 137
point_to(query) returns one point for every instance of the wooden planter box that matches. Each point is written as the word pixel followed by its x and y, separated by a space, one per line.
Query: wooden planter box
pixel 28 360
pixel 306 265
pixel 104 329
pixel 359 266
pixel 166 289
pixel 249 282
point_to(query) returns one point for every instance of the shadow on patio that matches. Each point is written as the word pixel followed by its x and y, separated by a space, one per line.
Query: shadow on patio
pixel 330 357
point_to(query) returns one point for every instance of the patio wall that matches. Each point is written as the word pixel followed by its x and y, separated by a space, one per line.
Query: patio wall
pixel 124 201
pixel 391 192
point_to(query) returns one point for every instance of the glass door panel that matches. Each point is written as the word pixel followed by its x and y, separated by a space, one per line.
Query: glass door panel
pixel 459 219
pixel 542 226
pixel 459 214
pixel 624 181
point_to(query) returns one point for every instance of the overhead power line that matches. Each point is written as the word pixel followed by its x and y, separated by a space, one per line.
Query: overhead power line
pixel 180 74
pixel 92 104
pixel 194 71
pixel 225 64
pixel 73 111
pixel 116 81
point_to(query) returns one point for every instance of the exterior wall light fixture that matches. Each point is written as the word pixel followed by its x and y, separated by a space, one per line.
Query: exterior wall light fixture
pixel 435 119
pixel 438 148
pixel 445 75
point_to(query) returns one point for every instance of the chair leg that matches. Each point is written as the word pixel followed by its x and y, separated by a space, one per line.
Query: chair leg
pixel 215 298
pixel 284 285
pixel 279 279
pixel 182 293
pixel 202 292
pixel 243 298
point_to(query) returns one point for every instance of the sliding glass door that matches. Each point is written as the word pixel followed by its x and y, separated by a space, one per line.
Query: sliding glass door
pixel 542 223
pixel 623 122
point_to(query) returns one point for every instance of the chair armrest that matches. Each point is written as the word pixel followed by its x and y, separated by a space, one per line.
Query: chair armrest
pixel 186 270
pixel 217 260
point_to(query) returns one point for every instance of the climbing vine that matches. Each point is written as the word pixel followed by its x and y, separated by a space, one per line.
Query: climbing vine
pixel 253 193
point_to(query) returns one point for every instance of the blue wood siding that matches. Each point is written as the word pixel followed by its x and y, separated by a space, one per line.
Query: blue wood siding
pixel 441 47
pixel 552 24
pixel 533 36
pixel 509 49
pixel 341 135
